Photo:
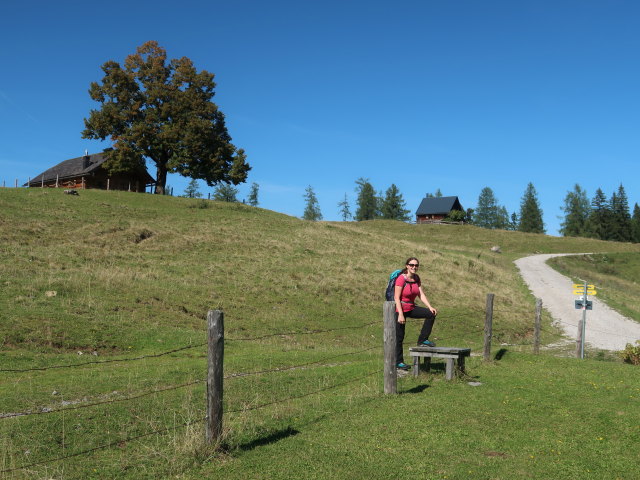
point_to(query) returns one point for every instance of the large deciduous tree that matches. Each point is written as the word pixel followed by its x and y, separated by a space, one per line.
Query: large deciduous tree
pixel 530 212
pixel 163 111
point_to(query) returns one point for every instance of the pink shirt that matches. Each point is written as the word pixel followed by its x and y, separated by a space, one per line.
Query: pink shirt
pixel 410 290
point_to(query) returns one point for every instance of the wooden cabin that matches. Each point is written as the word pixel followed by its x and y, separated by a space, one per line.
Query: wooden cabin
pixel 87 172
pixel 435 209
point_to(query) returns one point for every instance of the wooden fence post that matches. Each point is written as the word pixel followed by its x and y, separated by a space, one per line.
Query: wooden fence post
pixel 390 369
pixel 215 337
pixel 536 328
pixel 488 327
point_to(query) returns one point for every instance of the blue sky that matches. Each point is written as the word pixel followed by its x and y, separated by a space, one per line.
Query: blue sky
pixel 450 95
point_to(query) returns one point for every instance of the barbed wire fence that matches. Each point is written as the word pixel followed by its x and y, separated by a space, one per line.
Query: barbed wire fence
pixel 44 410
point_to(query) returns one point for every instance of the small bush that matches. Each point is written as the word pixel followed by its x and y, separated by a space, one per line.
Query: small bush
pixel 631 354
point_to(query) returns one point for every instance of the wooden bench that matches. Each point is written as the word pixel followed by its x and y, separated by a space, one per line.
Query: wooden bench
pixel 450 354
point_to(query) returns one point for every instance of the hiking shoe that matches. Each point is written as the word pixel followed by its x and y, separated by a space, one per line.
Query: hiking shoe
pixel 426 343
pixel 403 366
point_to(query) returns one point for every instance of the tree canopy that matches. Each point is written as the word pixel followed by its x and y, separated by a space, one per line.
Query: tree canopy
pixel 162 111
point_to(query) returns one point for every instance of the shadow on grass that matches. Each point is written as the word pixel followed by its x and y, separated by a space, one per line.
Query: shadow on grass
pixel 272 438
pixel 417 389
pixel 500 353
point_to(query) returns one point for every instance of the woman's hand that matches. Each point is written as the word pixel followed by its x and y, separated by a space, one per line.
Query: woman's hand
pixel 401 319
pixel 433 310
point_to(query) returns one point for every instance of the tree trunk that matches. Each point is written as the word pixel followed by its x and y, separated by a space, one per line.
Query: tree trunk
pixel 161 179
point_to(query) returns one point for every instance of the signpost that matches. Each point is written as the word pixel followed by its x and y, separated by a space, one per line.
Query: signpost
pixel 583 303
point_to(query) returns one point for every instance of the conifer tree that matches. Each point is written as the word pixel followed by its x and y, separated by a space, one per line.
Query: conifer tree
pixel 600 217
pixel 312 207
pixel 486 213
pixel 367 203
pixel 393 205
pixel 513 224
pixel 530 212
pixel 502 220
pixel 345 211
pixel 576 209
pixel 192 189
pixel 635 224
pixel 620 217
pixel 225 193
pixel 253 195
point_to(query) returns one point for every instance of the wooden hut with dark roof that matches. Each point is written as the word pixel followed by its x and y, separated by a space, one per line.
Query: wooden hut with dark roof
pixel 435 209
pixel 87 172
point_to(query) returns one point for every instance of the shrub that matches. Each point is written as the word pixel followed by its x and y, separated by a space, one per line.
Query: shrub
pixel 631 354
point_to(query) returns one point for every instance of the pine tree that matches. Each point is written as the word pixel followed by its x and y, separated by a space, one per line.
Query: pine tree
pixel 502 220
pixel 192 190
pixel 530 212
pixel 393 205
pixel 224 192
pixel 620 217
pixel 345 212
pixel 367 203
pixel 438 193
pixel 486 213
pixel 513 224
pixel 253 195
pixel 635 224
pixel 599 222
pixel 577 210
pixel 312 207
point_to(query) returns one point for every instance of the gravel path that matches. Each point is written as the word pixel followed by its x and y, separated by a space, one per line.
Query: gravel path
pixel 606 328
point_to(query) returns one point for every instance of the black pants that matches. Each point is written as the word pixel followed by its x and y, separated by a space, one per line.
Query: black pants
pixel 427 326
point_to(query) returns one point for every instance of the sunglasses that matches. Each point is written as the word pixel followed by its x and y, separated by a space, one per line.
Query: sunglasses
pixel 416 265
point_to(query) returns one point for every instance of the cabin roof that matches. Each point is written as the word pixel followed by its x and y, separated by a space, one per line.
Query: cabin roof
pixel 438 205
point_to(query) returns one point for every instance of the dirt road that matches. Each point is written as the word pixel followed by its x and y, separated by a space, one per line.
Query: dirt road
pixel 606 329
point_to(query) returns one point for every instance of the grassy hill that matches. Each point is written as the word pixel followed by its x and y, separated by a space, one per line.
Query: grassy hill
pixel 126 280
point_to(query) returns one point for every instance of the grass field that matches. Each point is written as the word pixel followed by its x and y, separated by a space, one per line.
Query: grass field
pixel 125 281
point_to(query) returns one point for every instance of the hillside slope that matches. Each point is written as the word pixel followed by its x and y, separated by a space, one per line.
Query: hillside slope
pixel 116 271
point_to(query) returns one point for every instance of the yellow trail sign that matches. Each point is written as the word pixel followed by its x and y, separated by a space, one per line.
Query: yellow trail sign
pixel 581 286
pixel 582 292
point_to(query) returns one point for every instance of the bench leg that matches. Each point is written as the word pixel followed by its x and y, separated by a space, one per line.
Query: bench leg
pixel 416 366
pixel 461 365
pixel 449 369
pixel 427 364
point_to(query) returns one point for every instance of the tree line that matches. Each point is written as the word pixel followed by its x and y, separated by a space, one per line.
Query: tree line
pixel 370 204
pixel 601 218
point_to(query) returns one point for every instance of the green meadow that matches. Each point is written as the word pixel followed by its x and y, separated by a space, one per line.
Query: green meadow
pixel 103 304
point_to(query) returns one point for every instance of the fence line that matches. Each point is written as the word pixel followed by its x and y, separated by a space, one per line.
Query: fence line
pixel 44 411
pixel 97 362
pixel 187 347
pixel 186 424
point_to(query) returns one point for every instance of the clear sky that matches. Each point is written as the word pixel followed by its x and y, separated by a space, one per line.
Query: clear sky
pixel 453 95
